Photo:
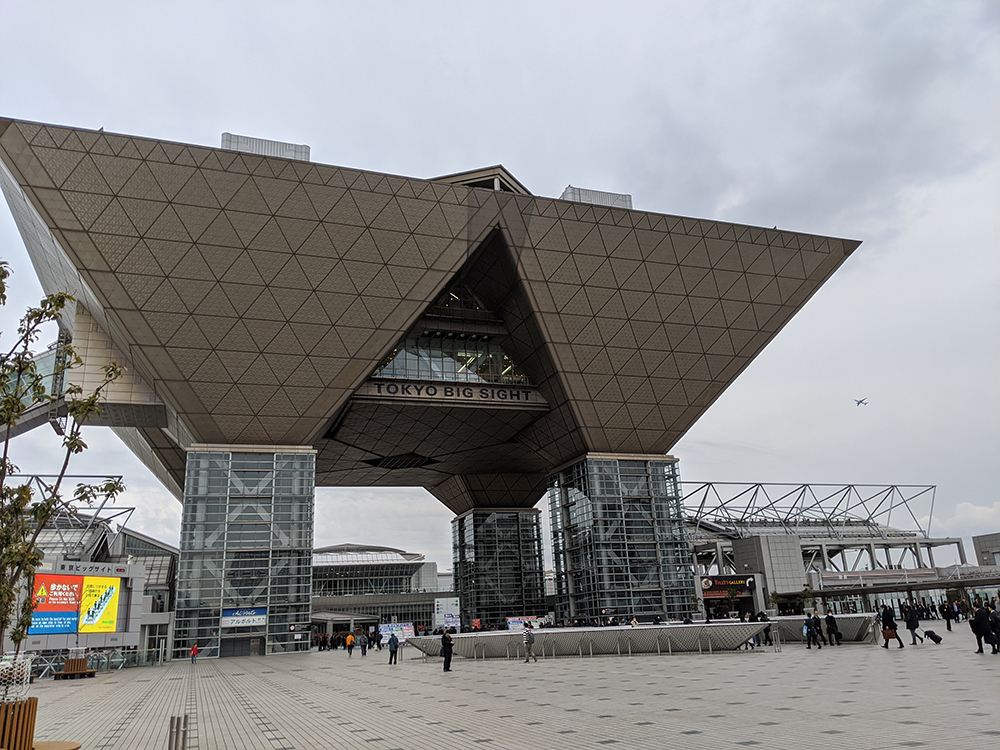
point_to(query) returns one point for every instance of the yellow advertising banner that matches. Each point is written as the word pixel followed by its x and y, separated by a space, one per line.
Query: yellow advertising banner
pixel 99 604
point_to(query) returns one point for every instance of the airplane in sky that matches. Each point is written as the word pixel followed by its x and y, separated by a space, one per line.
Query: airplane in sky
pixel 861 402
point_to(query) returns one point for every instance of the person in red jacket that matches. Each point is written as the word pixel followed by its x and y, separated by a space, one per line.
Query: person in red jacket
pixel 194 653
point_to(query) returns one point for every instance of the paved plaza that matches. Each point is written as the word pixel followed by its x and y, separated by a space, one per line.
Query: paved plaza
pixel 851 696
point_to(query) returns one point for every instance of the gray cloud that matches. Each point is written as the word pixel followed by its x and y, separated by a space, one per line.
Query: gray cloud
pixel 872 120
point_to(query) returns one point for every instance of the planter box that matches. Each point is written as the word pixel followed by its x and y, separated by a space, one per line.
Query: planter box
pixel 17 724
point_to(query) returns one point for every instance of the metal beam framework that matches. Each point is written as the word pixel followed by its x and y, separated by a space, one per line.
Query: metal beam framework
pixel 69 531
pixel 842 528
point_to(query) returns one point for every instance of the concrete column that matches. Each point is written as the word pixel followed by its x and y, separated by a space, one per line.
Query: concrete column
pixel 930 555
pixel 826 557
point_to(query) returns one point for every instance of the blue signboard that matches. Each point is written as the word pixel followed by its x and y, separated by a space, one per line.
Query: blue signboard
pixel 241 617
pixel 45 623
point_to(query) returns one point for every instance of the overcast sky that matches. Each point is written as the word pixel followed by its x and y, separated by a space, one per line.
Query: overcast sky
pixel 866 120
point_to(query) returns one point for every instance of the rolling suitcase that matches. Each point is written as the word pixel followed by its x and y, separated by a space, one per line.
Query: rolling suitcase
pixel 932 635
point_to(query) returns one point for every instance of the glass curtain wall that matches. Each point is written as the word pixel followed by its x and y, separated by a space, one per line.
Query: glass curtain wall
pixel 452 357
pixel 246 544
pixel 355 580
pixel 619 541
pixel 497 556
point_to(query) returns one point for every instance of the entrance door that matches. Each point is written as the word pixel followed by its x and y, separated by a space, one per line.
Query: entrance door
pixel 235 647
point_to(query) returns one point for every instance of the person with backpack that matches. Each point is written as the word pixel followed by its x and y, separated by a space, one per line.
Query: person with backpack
pixel 529 643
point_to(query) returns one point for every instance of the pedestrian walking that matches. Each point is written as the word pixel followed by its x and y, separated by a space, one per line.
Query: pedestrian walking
pixel 194 654
pixel 912 623
pixel 350 644
pixel 447 645
pixel 818 624
pixel 994 618
pixel 529 643
pixel 889 627
pixel 980 624
pixel 393 648
pixel 363 642
pixel 812 629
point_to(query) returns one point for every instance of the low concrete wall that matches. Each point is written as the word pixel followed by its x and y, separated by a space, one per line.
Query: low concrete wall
pixel 622 640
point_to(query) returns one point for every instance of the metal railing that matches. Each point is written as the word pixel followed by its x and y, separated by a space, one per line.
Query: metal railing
pixel 103 661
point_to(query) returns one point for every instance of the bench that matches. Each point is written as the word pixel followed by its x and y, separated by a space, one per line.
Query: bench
pixel 17 724
pixel 74 668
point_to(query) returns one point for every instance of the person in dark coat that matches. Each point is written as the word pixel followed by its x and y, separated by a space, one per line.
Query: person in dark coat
pixel 889 624
pixel 393 648
pixel 980 624
pixel 832 632
pixel 994 618
pixel 818 626
pixel 912 623
pixel 447 645
pixel 945 611
pixel 762 617
pixel 813 628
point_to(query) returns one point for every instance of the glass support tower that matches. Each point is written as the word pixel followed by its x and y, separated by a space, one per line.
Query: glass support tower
pixel 497 554
pixel 619 539
pixel 244 585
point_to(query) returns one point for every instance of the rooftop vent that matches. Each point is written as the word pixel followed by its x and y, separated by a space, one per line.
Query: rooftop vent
pixel 597 197
pixel 263 147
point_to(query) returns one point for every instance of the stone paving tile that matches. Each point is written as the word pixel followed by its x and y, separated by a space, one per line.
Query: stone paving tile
pixel 862 695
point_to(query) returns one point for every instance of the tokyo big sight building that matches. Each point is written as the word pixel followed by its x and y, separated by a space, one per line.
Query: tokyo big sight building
pixel 288 324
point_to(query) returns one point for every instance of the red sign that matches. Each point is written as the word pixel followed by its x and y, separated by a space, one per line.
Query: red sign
pixel 57 593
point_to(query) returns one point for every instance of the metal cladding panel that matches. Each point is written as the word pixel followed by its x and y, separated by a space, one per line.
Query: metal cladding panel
pixel 256 295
